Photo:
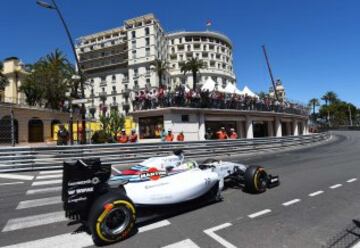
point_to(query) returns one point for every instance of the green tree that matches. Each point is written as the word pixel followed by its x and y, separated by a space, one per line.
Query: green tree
pixel 160 68
pixel 3 79
pixel 193 65
pixel 116 123
pixel 329 97
pixel 313 103
pixel 49 80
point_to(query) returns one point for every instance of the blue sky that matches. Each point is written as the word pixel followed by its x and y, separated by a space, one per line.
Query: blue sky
pixel 314 45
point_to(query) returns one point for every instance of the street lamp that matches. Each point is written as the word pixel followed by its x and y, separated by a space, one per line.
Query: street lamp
pixel 54 6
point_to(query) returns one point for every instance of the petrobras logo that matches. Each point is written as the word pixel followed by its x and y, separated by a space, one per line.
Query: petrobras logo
pixel 153 174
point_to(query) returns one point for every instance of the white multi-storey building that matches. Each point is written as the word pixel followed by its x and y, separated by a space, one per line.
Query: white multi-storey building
pixel 119 60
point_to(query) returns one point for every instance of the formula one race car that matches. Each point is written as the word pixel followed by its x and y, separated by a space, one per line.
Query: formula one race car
pixel 109 206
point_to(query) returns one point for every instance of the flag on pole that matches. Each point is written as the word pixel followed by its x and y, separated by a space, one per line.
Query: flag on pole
pixel 208 23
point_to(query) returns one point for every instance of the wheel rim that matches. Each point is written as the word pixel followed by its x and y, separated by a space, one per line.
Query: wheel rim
pixel 261 180
pixel 117 221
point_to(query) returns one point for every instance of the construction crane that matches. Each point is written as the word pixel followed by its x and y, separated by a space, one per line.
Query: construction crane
pixel 270 72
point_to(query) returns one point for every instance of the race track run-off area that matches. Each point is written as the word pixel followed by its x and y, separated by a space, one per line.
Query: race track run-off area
pixel 314 206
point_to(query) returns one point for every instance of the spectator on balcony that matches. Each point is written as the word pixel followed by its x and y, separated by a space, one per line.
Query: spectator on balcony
pixel 180 137
pixel 233 134
pixel 169 137
pixel 123 138
pixel 221 134
pixel 133 138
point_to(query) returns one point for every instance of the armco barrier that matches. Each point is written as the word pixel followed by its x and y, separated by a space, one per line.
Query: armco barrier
pixel 15 159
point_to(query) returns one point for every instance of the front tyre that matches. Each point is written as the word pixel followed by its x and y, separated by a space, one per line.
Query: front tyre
pixel 255 179
pixel 111 218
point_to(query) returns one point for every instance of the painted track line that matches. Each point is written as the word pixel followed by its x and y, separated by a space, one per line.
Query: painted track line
pixel 154 226
pixel 49 176
pixel 316 193
pixel 257 214
pixel 44 190
pixel 40 183
pixel 12 183
pixel 39 202
pixel 335 186
pixel 17 177
pixel 34 220
pixel 187 243
pixel 50 172
pixel 288 203
pixel 351 180
pixel 59 241
pixel 211 232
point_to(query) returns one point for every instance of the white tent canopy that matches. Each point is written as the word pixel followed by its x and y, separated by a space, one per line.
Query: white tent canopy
pixel 247 91
pixel 230 88
pixel 208 85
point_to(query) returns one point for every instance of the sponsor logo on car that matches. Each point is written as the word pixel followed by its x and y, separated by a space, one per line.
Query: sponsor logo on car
pixel 153 174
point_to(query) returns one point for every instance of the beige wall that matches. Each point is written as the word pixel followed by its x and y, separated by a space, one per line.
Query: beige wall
pixel 24 114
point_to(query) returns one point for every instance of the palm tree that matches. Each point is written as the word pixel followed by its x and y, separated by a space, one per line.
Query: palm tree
pixel 3 79
pixel 161 67
pixel 314 102
pixel 329 97
pixel 193 65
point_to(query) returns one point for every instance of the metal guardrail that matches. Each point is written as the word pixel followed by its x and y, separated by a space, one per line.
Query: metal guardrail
pixel 16 159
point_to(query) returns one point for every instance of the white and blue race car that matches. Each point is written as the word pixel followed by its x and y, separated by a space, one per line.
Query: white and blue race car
pixel 109 206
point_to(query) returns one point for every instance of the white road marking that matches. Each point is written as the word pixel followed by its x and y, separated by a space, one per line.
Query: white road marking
pixel 257 214
pixel 116 170
pixel 357 245
pixel 44 190
pixel 17 177
pixel 187 243
pixel 49 176
pixel 351 180
pixel 2 184
pixel 58 241
pixel 38 183
pixel 288 203
pixel 39 202
pixel 316 193
pixel 50 172
pixel 154 226
pixel 335 186
pixel 34 220
pixel 212 234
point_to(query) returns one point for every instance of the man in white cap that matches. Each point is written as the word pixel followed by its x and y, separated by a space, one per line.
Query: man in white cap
pixel 233 134
pixel 123 138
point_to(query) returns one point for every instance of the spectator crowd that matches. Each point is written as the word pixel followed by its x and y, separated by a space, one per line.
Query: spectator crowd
pixel 181 97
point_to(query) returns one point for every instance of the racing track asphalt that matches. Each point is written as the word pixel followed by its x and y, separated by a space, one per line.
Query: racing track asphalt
pixel 317 199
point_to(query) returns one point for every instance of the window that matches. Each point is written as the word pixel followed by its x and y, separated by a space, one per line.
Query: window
pixel 114 98
pixel 148 81
pixel 147 31
pixel 147 41
pixel 113 77
pixel 103 89
pixel 136 84
pixel 185 118
pixel 134 54
pixel 189 48
pixel 133 34
pixel 147 51
pixel 114 88
pixel 172 42
pixel 150 127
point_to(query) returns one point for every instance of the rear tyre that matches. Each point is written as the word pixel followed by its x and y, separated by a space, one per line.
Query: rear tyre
pixel 111 218
pixel 255 179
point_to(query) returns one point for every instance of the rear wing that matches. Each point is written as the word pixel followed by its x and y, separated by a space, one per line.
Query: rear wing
pixel 83 180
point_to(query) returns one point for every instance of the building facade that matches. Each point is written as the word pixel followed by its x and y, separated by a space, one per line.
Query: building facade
pixel 15 73
pixel 121 60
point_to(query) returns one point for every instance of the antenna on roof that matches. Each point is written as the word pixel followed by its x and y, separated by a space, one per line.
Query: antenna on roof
pixel 270 72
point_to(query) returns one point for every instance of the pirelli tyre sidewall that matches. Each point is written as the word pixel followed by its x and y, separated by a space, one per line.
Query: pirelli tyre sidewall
pixel 111 218
pixel 255 179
